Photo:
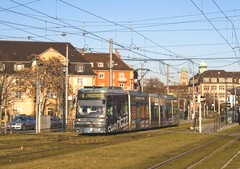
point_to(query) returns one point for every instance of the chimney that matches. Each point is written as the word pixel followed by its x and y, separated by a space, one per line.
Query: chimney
pixel 83 51
pixel 117 53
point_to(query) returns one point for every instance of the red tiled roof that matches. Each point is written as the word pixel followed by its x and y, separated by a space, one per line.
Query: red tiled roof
pixel 22 51
pixel 96 58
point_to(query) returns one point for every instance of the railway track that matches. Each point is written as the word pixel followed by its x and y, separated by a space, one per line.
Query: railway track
pixel 39 147
pixel 206 155
pixel 54 145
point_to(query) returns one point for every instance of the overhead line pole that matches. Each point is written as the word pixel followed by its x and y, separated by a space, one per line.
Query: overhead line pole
pixel 66 86
pixel 110 63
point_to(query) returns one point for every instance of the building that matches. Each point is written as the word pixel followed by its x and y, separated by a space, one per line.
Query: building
pixel 184 77
pixel 181 92
pixel 19 55
pixel 215 88
pixel 122 74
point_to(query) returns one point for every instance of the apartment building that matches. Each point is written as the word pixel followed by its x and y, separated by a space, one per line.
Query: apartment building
pixel 218 84
pixel 122 74
pixel 18 55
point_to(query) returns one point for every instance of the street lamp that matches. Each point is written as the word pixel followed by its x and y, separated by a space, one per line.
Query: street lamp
pixel 65 92
pixel 226 100
pixel 37 95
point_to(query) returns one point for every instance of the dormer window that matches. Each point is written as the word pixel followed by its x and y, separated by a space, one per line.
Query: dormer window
pixel 79 68
pixel 2 66
pixel 18 67
pixel 18 94
pixel 100 64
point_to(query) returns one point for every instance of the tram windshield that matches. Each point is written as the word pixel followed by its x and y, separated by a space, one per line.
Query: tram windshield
pixel 90 108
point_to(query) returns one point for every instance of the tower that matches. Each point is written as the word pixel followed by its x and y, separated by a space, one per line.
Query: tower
pixel 202 67
pixel 184 77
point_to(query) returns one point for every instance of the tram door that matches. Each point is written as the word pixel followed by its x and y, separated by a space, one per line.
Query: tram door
pixel 117 113
pixel 142 115
pixel 154 112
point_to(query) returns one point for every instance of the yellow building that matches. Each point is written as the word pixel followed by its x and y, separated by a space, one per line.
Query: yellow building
pixel 16 56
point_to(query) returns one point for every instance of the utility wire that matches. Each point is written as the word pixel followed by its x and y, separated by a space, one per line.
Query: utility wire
pixel 216 30
pixel 118 25
pixel 230 22
pixel 103 39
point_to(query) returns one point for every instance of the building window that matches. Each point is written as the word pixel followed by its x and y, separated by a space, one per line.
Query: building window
pixel 79 81
pixel 221 80
pixel 50 111
pixel 100 64
pixel 2 66
pixel 18 81
pixel 79 68
pixel 206 80
pixel 214 80
pixel 101 75
pixel 18 67
pixel 121 75
pixel 18 95
pixel 206 87
pixel 221 87
pixel 121 85
pixel 101 84
pixel 51 95
pixel 214 87
pixel 229 80
pixel 91 63
pixel 221 95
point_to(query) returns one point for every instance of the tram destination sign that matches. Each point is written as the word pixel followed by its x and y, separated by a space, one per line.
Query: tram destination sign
pixel 91 96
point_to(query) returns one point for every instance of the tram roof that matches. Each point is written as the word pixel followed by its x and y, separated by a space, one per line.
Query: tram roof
pixel 103 89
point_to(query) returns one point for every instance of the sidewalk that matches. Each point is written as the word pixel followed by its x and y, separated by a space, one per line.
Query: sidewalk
pixel 207 128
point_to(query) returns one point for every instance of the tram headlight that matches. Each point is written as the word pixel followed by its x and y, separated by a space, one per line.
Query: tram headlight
pixel 101 119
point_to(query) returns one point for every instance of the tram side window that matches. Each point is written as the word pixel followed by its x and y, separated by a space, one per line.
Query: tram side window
pixel 175 108
pixel 161 112
pixel 154 110
pixel 109 108
pixel 168 110
pixel 125 108
pixel 117 106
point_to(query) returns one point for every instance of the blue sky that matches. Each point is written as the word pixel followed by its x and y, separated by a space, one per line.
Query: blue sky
pixel 174 30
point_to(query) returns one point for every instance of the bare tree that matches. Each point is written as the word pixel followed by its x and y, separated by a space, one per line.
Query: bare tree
pixel 10 85
pixel 154 85
pixel 51 81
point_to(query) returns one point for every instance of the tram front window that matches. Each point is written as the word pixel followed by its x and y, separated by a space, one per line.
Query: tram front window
pixel 89 108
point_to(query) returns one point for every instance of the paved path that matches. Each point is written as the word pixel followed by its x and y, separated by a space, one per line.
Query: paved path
pixel 208 128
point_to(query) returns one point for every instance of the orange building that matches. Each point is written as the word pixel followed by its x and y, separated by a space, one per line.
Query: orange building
pixel 122 74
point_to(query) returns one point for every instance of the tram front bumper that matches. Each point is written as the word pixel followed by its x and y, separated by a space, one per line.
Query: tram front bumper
pixel 83 128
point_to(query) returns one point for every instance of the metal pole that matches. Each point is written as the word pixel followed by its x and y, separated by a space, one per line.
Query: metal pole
pixel 37 98
pixel 214 108
pixel 1 117
pixel 167 79
pixel 235 96
pixel 142 66
pixel 172 109
pixel 63 106
pixel 110 64
pixel 66 86
pixel 225 100
pixel 193 92
pixel 200 114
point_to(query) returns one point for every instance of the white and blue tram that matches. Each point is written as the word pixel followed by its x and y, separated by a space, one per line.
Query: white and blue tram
pixel 112 109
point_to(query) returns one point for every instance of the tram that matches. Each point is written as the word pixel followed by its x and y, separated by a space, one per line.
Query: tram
pixel 112 109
